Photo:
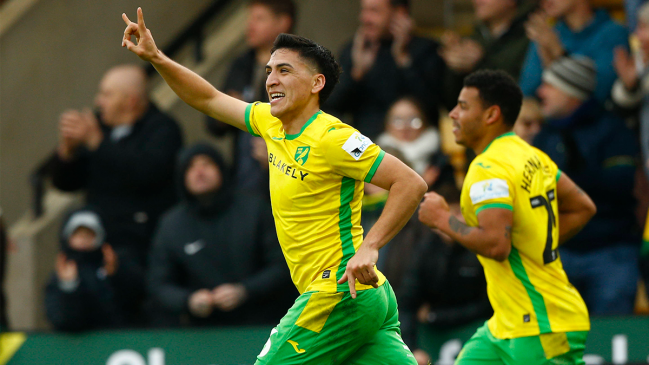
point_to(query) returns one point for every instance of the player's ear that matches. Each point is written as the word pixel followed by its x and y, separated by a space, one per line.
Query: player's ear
pixel 493 114
pixel 318 83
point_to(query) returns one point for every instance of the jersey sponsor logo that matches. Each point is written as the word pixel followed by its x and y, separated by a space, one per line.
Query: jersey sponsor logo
pixel 295 344
pixel 286 169
pixel 483 166
pixel 302 154
pixel 488 189
pixel 193 247
pixel 356 145
pixel 277 138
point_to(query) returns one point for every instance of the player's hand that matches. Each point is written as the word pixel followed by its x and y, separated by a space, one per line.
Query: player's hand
pixel 66 270
pixel 433 210
pixel 625 68
pixel 200 303
pixel 361 267
pixel 227 297
pixel 364 53
pixel 145 47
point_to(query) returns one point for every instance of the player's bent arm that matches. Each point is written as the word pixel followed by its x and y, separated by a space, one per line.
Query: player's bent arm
pixel 491 238
pixel 406 188
pixel 189 86
pixel 575 208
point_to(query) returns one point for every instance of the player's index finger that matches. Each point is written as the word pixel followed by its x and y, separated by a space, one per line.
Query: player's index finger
pixel 140 19
pixel 351 280
pixel 126 19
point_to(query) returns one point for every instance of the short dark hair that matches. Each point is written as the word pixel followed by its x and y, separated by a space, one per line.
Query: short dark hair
pixel 496 87
pixel 279 7
pixel 314 53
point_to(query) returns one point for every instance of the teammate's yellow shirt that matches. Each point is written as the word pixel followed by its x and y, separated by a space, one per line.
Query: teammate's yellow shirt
pixel 316 191
pixel 529 291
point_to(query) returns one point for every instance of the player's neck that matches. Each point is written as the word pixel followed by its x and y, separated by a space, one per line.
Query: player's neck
pixel 488 138
pixel 293 123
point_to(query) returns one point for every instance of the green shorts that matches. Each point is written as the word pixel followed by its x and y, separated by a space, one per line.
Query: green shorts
pixel 332 328
pixel 551 348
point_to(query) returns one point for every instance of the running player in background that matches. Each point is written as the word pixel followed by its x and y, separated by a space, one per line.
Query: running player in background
pixel 347 311
pixel 518 208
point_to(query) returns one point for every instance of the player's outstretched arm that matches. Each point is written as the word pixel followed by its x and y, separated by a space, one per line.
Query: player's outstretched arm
pixel 575 208
pixel 406 189
pixel 491 238
pixel 189 86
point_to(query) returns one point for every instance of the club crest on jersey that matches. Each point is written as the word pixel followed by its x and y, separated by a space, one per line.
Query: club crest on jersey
pixel 356 145
pixel 302 154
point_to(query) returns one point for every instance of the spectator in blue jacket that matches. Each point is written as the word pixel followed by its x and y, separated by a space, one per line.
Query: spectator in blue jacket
pixel 597 150
pixel 580 30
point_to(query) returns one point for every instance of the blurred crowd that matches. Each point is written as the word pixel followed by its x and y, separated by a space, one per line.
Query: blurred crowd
pixel 175 236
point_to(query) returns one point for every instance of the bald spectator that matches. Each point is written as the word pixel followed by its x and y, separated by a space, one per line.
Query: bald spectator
pixel 122 156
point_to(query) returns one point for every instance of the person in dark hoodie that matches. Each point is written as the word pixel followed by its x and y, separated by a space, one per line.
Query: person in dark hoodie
pixel 597 150
pixel 123 158
pixel 93 286
pixel 215 256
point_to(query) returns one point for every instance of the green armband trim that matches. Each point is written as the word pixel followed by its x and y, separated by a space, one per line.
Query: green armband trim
pixel 247 119
pixel 558 175
pixel 374 167
pixel 494 205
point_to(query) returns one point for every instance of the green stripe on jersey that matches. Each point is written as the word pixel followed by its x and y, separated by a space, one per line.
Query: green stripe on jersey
pixel 537 299
pixel 494 205
pixel 347 188
pixel 247 119
pixel 374 167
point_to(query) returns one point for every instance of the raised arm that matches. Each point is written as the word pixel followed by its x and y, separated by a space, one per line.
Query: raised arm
pixel 406 189
pixel 189 86
pixel 575 208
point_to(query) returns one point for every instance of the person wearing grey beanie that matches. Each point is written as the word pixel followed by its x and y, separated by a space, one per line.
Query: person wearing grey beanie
pixel 92 286
pixel 594 147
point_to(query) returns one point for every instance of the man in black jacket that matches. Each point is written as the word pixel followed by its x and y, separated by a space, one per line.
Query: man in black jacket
pixel 216 255
pixel 123 159
pixel 383 63
pixel 93 286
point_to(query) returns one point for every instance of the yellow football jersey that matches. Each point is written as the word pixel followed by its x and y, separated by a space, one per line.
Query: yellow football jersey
pixel 529 291
pixel 316 191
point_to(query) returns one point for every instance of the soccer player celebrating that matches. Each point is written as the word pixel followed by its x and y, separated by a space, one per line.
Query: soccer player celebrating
pixel 347 311
pixel 518 208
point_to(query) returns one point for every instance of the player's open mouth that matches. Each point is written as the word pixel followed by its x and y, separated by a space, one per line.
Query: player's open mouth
pixel 274 97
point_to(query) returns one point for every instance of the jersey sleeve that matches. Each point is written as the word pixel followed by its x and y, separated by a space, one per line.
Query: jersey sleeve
pixel 490 186
pixel 352 154
pixel 257 118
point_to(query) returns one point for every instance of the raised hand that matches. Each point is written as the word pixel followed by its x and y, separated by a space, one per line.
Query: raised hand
pixel 364 53
pixel 145 47
pixel 625 68
pixel 401 29
pixel 66 270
